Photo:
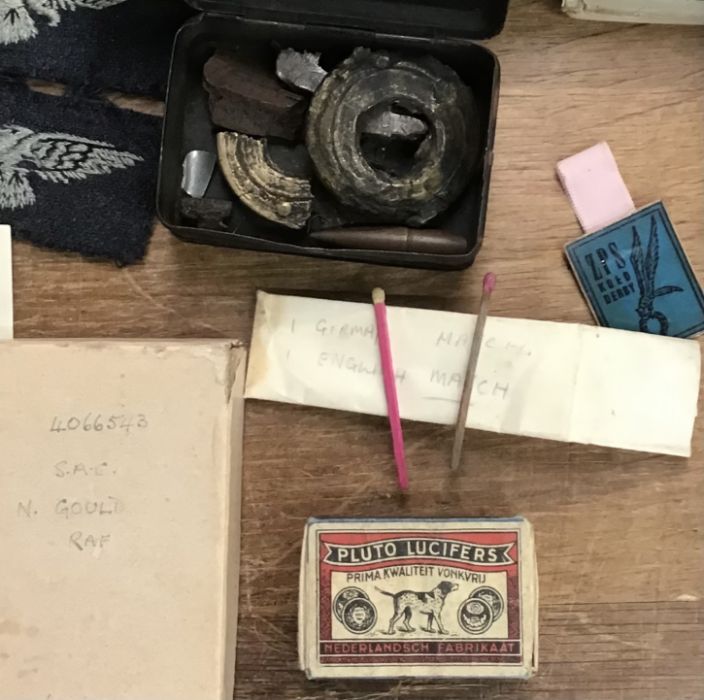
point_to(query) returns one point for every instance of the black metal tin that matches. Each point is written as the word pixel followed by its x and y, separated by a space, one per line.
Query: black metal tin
pixel 314 26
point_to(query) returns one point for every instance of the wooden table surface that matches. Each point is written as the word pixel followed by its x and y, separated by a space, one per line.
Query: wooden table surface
pixel 619 534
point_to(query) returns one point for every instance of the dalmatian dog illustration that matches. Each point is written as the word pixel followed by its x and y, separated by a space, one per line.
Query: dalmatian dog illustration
pixel 428 603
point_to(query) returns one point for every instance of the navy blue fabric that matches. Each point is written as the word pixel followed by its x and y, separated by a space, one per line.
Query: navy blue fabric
pixel 92 44
pixel 93 198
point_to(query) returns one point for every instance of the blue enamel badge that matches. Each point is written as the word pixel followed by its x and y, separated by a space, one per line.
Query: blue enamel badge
pixel 636 276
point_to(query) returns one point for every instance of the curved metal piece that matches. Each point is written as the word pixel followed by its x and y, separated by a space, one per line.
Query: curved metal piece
pixel 271 193
pixel 440 169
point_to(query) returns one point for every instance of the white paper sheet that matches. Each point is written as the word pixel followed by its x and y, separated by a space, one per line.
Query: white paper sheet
pixel 557 381
pixel 6 316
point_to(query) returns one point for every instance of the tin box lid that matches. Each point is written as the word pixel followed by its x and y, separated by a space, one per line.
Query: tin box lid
pixel 467 19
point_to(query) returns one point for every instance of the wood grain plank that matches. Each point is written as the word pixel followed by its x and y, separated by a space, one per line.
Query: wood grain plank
pixel 589 652
pixel 619 534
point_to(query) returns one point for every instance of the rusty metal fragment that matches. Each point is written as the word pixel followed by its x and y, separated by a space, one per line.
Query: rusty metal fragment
pixel 410 187
pixel 260 184
pixel 245 96
pixel 212 214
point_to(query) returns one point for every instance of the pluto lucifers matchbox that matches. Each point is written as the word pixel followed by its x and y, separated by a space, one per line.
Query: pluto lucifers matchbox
pixel 416 598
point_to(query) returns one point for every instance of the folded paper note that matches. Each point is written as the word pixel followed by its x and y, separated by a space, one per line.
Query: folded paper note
pixel 119 519
pixel 549 380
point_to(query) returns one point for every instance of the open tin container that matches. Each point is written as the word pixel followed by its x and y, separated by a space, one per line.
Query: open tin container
pixel 442 28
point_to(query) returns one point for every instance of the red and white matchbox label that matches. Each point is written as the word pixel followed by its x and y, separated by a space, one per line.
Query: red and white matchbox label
pixel 411 598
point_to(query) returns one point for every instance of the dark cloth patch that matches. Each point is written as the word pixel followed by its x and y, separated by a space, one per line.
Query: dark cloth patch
pixel 77 174
pixel 122 45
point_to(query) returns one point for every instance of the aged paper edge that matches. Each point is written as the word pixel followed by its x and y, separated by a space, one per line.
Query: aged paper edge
pixel 687 13
pixel 233 454
pixel 6 301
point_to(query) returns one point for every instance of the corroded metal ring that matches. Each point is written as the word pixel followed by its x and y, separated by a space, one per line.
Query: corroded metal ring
pixel 425 88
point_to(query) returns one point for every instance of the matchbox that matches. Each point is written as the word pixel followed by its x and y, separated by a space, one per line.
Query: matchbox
pixel 418 598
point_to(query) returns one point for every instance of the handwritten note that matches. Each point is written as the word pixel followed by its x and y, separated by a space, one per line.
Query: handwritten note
pixel 6 308
pixel 557 381
pixel 85 500
pixel 119 463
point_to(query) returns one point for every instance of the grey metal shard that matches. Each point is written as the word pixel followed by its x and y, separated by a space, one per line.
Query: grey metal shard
pixel 300 69
pixel 198 169
pixel 391 124
pixel 260 184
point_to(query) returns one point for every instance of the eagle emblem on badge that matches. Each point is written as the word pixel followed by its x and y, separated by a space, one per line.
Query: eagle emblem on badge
pixel 52 157
pixel 17 17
